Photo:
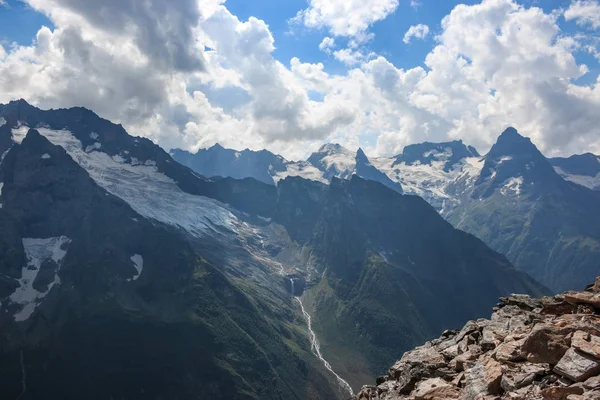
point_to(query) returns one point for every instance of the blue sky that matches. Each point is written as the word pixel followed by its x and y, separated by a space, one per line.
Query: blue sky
pixel 379 94
pixel 293 41
pixel 19 23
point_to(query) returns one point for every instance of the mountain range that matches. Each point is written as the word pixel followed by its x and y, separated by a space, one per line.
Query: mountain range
pixel 125 274
pixel 541 213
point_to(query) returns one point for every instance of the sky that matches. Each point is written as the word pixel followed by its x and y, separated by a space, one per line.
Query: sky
pixel 291 75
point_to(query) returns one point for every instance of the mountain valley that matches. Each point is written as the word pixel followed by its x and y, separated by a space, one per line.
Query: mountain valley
pixel 110 248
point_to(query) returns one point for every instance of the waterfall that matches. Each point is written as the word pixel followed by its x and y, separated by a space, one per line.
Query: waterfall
pixel 315 347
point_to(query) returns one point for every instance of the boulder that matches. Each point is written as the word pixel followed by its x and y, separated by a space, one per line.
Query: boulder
pixel 490 339
pixel 522 301
pixel 577 298
pixel 435 389
pixel 547 343
pixel 522 375
pixel 576 367
pixel 424 355
pixel 460 361
pixel 483 378
pixel 595 287
pixel 560 393
pixel 511 351
pixel 586 343
pixel 592 383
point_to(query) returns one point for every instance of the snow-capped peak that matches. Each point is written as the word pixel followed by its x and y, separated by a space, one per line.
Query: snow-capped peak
pixel 334 148
pixel 334 160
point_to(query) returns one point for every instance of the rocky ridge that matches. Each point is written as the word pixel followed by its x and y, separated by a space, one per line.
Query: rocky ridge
pixel 530 349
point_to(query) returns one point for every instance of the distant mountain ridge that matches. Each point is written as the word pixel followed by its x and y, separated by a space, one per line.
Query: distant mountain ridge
pixel 472 192
pixel 332 160
pixel 583 169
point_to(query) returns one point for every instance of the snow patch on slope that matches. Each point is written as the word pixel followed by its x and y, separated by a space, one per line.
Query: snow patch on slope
pixel 592 182
pixel 46 156
pixel 37 251
pixel 431 181
pixel 149 192
pixel 19 133
pixel 513 185
pixel 2 121
pixel 336 160
pixel 92 147
pixel 138 263
pixel 302 169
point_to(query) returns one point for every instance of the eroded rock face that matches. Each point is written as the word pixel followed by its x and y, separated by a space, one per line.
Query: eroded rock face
pixel 530 349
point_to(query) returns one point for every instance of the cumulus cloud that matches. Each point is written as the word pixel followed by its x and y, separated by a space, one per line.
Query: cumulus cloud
pixel 327 44
pixel 416 31
pixel 351 56
pixel 585 12
pixel 495 64
pixel 345 17
pixel 162 30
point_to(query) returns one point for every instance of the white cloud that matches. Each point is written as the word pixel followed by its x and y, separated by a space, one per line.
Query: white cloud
pixel 162 30
pixel 502 64
pixel 345 17
pixel 585 12
pixel 327 44
pixel 495 64
pixel 416 31
pixel 351 57
pixel 415 4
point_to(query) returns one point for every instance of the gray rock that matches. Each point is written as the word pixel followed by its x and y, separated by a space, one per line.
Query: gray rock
pixel 576 367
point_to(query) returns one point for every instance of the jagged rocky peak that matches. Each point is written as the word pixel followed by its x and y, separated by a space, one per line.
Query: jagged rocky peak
pixel 510 142
pixel 360 155
pixel 546 349
pixel 427 152
pixel 368 171
pixel 514 157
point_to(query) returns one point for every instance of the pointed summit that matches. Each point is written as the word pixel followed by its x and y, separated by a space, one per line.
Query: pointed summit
pixel 515 158
pixel 361 156
pixel 366 170
pixel 511 143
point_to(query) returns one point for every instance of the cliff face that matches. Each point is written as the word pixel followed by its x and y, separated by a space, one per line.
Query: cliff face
pixel 547 349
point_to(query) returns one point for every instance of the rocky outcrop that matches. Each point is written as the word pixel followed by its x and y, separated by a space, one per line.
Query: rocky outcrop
pixel 530 349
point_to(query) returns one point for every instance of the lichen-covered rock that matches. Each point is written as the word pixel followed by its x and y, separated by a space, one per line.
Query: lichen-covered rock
pixel 530 349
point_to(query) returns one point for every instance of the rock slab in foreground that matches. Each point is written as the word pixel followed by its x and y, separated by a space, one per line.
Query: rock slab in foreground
pixel 530 349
